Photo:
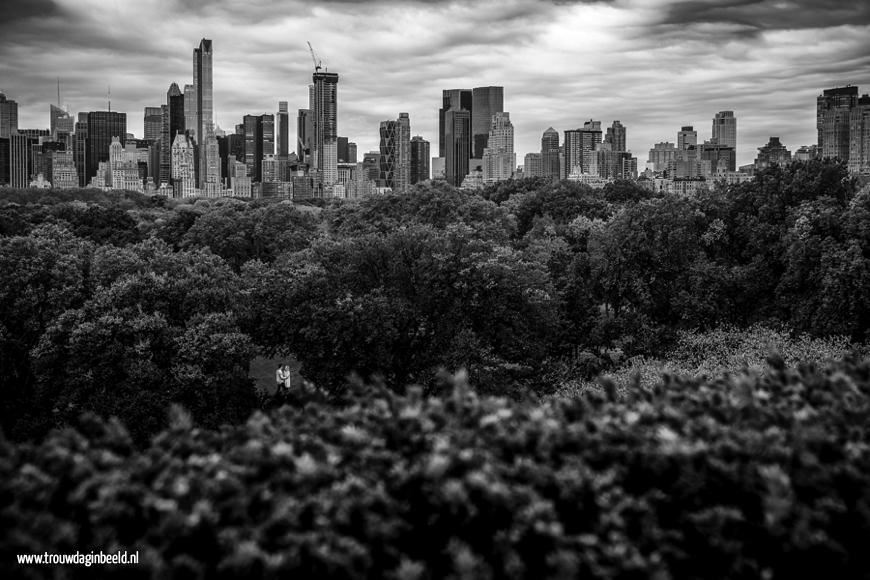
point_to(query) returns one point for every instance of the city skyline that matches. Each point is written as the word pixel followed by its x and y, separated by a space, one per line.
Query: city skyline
pixel 654 66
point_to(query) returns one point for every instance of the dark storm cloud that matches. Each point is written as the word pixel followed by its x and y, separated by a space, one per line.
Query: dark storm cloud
pixel 767 15
pixel 21 18
pixel 59 26
pixel 16 11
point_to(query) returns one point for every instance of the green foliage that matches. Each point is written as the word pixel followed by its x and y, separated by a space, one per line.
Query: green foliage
pixel 747 477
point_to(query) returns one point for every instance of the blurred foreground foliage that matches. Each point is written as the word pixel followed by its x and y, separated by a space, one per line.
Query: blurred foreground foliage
pixel 750 476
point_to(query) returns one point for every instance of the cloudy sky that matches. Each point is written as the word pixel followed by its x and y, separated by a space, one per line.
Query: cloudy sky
pixel 653 64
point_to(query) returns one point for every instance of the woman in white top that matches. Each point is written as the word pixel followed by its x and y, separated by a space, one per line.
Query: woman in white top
pixel 282 378
pixel 287 374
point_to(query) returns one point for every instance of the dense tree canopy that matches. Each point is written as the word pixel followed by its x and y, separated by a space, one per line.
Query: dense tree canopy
pixel 114 301
pixel 403 305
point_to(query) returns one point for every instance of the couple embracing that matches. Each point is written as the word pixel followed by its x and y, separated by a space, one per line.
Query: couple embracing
pixel 282 378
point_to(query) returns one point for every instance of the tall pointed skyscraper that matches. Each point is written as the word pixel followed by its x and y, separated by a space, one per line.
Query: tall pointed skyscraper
pixel 325 128
pixel 202 81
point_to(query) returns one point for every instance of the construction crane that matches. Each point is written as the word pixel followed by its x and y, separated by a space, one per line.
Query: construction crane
pixel 317 66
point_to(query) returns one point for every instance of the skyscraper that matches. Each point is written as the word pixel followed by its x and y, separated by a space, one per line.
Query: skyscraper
pixel 268 135
pixel 8 116
pixel 833 115
pixel 175 102
pixel 4 161
pixel 580 148
pixel 452 99
pixel 616 136
pixel 283 130
pixel 61 122
pixel 173 124
pixel 102 127
pixel 304 135
pixel 325 128
pixel 202 80
pixel 843 123
pixel 235 155
pixel 20 159
pixel 212 169
pixel 725 129
pixel 153 123
pixel 859 137
pixel 342 149
pixel 486 102
pixel 550 165
pixel 123 170
pixel 661 155
pixel 259 142
pixel 372 165
pixel 616 164
pixel 80 147
pixel 63 170
pixel 183 178
pixel 573 152
pixel 686 137
pixel 457 139
pixel 774 153
pixel 419 160
pixel 346 150
pixel 719 157
pixel 533 165
pixel 189 111
pixel 395 158
pixel 499 159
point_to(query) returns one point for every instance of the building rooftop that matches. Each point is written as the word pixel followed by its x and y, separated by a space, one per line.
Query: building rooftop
pixel 847 90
